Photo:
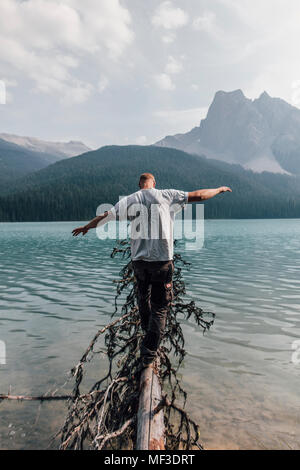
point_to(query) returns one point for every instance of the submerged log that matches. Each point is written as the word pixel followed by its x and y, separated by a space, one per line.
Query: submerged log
pixel 39 398
pixel 150 425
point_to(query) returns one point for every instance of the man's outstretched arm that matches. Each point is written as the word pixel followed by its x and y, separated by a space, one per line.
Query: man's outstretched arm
pixel 92 224
pixel 204 194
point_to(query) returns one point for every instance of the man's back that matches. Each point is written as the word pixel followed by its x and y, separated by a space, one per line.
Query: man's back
pixel 151 212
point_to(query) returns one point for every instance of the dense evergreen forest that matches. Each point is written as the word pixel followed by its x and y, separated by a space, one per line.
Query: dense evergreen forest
pixel 72 189
pixel 17 161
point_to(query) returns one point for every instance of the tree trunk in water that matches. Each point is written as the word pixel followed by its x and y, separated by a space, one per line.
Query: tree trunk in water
pixel 150 426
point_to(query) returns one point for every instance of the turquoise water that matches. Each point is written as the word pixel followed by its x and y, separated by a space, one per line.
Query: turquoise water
pixel 56 291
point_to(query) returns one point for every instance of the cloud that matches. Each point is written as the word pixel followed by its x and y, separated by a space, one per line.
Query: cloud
pixel 71 50
pixel 78 93
pixel 102 84
pixel 173 65
pixel 141 140
pixel 164 82
pixel 181 120
pixel 205 22
pixel 169 17
pixel 47 41
pixel 168 38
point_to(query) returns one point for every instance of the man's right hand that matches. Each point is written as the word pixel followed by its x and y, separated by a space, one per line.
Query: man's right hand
pixel 79 230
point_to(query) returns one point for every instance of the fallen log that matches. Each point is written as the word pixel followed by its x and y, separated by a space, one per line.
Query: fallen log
pixel 39 398
pixel 150 423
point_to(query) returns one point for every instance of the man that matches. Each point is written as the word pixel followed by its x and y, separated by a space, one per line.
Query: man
pixel 152 212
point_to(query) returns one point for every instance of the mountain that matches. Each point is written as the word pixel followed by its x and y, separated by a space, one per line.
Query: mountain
pixel 261 134
pixel 72 189
pixel 17 161
pixel 20 156
pixel 58 149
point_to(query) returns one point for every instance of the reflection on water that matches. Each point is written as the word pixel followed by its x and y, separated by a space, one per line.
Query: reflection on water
pixel 55 291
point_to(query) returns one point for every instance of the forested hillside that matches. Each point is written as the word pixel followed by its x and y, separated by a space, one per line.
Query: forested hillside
pixel 72 189
pixel 17 161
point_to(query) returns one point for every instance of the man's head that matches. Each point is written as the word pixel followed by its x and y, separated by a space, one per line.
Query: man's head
pixel 147 181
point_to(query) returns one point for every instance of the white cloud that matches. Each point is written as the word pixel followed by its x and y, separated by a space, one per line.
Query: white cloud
pixel 102 84
pixel 72 49
pixel 169 16
pixel 205 22
pixel 181 120
pixel 168 38
pixel 78 93
pixel 164 82
pixel 173 65
pixel 141 140
pixel 47 41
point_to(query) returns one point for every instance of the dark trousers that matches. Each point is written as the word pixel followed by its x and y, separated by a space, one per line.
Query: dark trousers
pixel 154 292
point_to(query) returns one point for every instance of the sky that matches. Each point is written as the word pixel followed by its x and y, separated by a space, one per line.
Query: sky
pixel 133 71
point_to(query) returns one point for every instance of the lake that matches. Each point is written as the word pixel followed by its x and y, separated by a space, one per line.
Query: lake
pixel 242 377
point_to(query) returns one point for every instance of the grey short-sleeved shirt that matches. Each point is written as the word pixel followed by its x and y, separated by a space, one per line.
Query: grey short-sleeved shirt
pixel 152 213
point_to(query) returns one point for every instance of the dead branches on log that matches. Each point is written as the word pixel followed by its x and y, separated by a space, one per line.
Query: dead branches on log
pixel 109 419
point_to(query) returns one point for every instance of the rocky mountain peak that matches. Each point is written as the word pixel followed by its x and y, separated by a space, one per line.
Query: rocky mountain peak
pixel 252 133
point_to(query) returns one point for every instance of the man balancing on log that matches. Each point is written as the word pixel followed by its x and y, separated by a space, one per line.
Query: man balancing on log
pixel 151 213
